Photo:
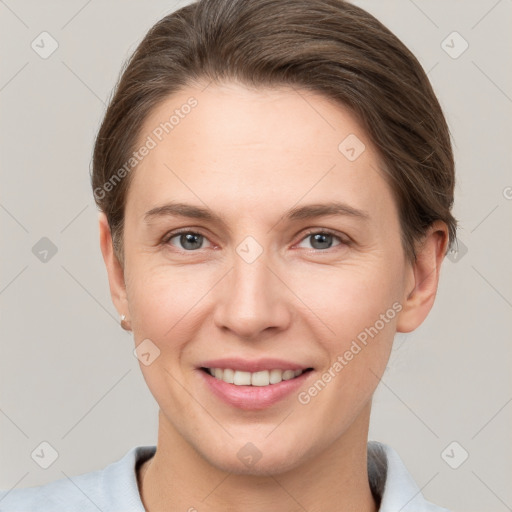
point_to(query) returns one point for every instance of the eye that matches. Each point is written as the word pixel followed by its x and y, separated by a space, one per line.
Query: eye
pixel 322 239
pixel 186 240
pixel 190 241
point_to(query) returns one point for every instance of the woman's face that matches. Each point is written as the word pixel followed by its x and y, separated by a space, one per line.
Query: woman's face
pixel 293 260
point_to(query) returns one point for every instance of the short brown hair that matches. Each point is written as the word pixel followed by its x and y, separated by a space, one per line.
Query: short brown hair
pixel 326 46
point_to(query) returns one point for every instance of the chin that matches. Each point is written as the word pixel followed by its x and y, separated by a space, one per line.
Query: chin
pixel 245 458
pixel 265 466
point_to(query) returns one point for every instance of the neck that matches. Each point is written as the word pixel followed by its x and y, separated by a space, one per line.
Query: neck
pixel 177 478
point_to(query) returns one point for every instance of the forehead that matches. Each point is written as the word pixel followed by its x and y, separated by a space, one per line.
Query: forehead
pixel 232 146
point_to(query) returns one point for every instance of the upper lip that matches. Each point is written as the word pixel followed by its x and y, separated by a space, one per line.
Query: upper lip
pixel 256 365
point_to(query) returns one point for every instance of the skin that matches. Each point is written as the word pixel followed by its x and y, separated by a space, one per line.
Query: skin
pixel 250 156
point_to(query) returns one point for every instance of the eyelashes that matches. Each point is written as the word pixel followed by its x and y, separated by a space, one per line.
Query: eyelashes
pixel 323 232
pixel 188 239
pixel 184 236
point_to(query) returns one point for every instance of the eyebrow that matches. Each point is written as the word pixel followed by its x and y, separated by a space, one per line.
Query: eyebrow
pixel 309 211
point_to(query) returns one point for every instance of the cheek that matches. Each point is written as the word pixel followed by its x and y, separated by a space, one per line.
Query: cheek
pixel 348 299
pixel 359 305
pixel 165 307
pixel 164 299
pixel 167 302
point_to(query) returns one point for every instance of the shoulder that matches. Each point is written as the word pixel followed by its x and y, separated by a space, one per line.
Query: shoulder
pixel 111 489
pixel 56 496
pixel 392 483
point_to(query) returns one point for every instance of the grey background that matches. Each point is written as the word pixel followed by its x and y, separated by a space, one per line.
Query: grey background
pixel 67 372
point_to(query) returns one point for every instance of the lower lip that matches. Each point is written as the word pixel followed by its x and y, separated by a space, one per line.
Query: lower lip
pixel 253 397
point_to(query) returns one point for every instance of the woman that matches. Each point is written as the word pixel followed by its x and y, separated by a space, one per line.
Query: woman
pixel 275 181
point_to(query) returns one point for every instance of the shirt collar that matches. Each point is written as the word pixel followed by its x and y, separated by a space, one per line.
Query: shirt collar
pixel 391 484
pixel 391 481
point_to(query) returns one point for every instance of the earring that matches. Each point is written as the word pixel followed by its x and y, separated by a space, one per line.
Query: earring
pixel 124 323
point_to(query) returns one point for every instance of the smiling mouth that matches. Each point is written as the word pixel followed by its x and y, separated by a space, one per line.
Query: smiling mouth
pixel 261 379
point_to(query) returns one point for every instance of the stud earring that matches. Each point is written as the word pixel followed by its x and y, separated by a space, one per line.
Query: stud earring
pixel 125 324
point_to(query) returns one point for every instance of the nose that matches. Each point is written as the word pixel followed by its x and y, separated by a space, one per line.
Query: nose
pixel 253 300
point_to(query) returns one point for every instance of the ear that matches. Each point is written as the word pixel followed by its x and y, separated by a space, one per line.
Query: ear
pixel 423 277
pixel 114 269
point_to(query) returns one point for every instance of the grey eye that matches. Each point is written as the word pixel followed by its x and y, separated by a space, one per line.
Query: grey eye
pixel 189 241
pixel 321 240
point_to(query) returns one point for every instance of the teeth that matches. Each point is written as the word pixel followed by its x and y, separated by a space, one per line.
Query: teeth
pixel 288 374
pixel 227 376
pixel 263 378
pixel 260 378
pixel 276 376
pixel 240 378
